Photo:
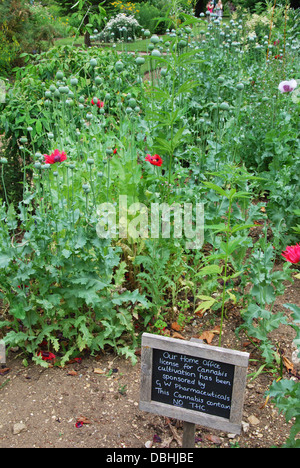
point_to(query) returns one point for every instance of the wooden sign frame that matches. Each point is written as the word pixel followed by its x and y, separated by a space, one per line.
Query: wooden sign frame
pixel 196 349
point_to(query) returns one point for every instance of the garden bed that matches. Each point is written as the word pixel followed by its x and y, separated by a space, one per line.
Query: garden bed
pixel 103 392
pixel 208 148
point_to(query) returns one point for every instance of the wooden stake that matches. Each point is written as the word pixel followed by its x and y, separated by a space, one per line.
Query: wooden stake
pixel 188 439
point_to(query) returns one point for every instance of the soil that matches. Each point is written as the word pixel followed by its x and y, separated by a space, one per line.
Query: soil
pixel 39 407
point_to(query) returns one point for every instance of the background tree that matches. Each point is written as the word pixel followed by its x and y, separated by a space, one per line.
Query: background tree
pixel 86 12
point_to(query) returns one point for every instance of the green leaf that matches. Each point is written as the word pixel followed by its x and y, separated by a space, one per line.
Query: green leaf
pixel 209 270
pixel 4 260
pixel 216 188
pixel 38 127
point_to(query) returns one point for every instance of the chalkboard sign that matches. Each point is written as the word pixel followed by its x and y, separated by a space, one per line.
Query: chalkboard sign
pixel 194 382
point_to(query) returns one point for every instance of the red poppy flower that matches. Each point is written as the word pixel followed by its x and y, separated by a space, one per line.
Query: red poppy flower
pixel 98 103
pixel 55 157
pixel 155 160
pixel 46 355
pixel 292 253
pixel 115 150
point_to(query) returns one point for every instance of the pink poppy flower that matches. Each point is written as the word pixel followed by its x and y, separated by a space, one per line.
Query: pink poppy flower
pixel 292 253
pixel 55 157
pixel 287 86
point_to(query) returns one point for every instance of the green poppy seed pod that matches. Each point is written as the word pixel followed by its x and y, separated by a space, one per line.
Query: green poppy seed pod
pixel 93 63
pixel 3 161
pixel 50 136
pixel 109 151
pixel 56 93
pixel 47 103
pixel 52 88
pixel 163 71
pixel 147 33
pixel 119 66
pixel 154 39
pixel 55 173
pixel 155 53
pixel 23 139
pixel 224 106
pixel 38 155
pixel 81 99
pixel 74 81
pixel 89 116
pixel 100 175
pixel 59 75
pixel 85 187
pixel 70 102
pixel 37 165
pixel 72 166
pixel 240 86
pixel 128 110
pixel 48 94
pixel 98 80
pixel 81 106
pixel 46 166
pixel 139 60
pixel 220 79
pixel 150 46
pixel 90 161
pixel 132 102
pixel 29 129
pixel 264 99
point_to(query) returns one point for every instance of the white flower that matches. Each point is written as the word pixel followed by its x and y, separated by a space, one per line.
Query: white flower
pixel 287 86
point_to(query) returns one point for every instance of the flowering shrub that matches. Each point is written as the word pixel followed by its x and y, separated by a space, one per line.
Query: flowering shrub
pixel 122 26
pixel 127 8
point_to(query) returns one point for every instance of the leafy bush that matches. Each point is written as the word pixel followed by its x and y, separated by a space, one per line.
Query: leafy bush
pixel 149 16
pixel 23 28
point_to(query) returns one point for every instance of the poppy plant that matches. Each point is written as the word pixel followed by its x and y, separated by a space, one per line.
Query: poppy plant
pixel 55 157
pixel 292 253
pixel 98 103
pixel 155 160
pixel 287 86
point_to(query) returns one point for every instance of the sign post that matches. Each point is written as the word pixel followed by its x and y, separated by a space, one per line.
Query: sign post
pixel 193 382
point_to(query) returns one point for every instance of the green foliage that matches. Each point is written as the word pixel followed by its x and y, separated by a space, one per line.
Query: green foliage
pixel 286 396
pixel 23 28
pixel 226 138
